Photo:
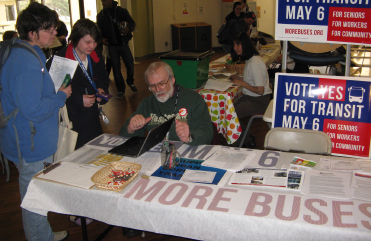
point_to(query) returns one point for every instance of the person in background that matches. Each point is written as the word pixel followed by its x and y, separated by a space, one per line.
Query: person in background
pixel 116 25
pixel 237 17
pixel 255 80
pixel 192 125
pixel 9 34
pixel 28 87
pixel 291 65
pixel 250 17
pixel 90 78
pixel 62 33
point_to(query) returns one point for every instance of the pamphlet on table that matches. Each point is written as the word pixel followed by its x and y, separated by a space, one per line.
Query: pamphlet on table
pixel 326 183
pixel 229 158
pixel 344 165
pixel 280 178
pixel 361 186
pixel 71 173
pixel 218 85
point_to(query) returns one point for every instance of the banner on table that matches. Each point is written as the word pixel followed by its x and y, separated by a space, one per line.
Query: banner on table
pixel 278 205
pixel 338 106
pixel 321 21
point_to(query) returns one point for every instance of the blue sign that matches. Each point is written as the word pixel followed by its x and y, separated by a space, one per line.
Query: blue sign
pixel 338 106
pixel 190 164
pixel 312 12
pixel 322 21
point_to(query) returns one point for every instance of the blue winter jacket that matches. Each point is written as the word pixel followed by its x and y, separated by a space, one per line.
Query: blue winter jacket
pixel 26 87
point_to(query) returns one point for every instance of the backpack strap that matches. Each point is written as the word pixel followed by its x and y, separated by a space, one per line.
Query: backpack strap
pixel 17 141
pixel 33 132
pixel 5 165
pixel 28 47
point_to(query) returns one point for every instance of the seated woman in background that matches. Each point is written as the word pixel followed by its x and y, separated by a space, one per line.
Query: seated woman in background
pixel 90 78
pixel 255 80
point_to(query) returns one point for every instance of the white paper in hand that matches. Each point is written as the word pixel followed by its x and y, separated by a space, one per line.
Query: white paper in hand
pixel 59 68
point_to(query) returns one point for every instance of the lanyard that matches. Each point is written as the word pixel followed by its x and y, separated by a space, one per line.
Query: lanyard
pixel 176 102
pixel 84 69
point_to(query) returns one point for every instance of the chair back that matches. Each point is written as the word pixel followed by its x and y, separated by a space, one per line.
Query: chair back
pixel 298 140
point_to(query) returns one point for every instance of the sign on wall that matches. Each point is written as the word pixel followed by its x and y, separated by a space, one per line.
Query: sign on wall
pixel 320 21
pixel 338 106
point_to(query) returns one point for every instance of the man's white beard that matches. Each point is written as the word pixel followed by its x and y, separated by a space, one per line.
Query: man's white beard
pixel 167 95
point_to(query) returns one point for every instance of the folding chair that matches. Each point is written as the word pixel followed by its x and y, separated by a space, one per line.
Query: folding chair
pixel 298 140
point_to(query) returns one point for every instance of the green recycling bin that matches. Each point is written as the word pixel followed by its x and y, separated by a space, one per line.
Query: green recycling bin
pixel 190 69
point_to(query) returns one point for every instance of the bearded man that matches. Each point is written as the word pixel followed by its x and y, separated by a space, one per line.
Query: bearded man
pixel 192 124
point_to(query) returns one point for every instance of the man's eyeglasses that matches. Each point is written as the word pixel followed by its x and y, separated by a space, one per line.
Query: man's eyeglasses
pixel 160 85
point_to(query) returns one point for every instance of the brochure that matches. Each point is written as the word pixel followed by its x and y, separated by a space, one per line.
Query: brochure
pixel 361 186
pixel 342 165
pixel 230 158
pixel 327 183
pixel 280 178
pixel 302 162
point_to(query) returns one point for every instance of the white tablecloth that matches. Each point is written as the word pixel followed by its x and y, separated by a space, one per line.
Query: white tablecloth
pixel 221 215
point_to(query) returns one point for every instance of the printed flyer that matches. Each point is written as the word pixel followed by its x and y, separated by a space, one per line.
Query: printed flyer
pixel 280 178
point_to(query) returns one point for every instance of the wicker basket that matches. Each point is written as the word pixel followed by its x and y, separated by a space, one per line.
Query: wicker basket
pixel 235 67
pixel 102 177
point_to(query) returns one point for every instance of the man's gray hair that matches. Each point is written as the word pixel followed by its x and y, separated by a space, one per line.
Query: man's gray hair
pixel 153 67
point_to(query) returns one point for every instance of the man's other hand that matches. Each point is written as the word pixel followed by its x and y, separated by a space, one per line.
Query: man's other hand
pixel 182 130
pixel 137 122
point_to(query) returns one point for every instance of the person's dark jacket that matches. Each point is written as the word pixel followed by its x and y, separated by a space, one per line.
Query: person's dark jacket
pixel 238 25
pixel 85 120
pixel 110 30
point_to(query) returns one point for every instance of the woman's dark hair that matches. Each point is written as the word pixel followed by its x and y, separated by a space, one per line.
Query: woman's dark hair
pixel 235 4
pixel 248 47
pixel 84 27
pixel 35 17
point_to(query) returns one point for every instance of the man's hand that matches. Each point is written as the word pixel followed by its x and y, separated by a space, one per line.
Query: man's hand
pixel 126 31
pixel 182 130
pixel 100 91
pixel 126 28
pixel 137 122
pixel 88 100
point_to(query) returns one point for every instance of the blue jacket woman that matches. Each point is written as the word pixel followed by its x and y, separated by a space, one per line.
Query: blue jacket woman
pixel 30 88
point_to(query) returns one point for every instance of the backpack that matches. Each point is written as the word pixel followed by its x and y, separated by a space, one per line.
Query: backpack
pixel 225 33
pixel 5 49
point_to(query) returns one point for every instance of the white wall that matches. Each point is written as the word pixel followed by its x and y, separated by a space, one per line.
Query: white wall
pixel 167 12
pixel 267 18
pixel 4 24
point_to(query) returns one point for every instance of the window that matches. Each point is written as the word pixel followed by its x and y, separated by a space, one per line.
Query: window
pixel 10 13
